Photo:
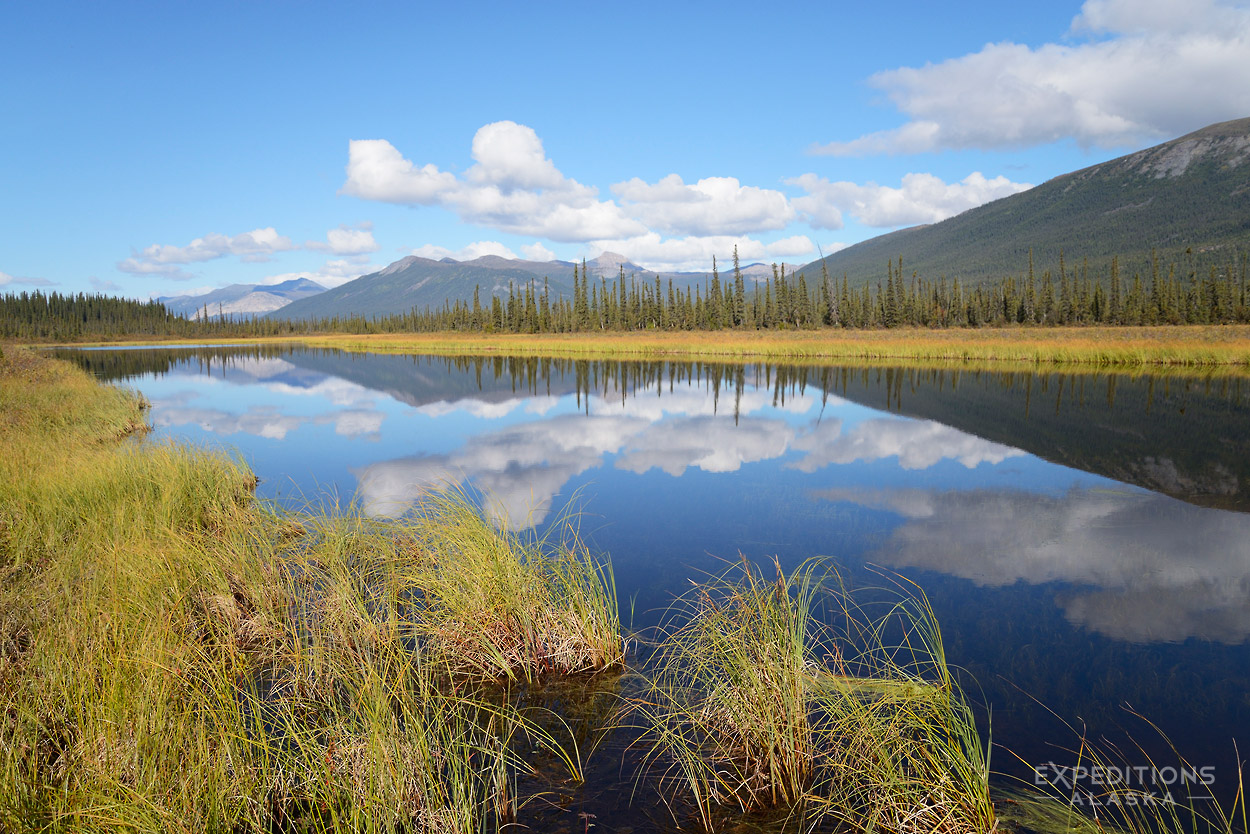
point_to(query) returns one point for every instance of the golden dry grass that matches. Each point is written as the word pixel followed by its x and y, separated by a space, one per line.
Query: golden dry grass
pixel 1197 346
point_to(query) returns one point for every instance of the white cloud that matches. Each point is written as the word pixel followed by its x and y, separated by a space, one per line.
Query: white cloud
pixel 1147 70
pixel 665 225
pixel 468 253
pixel 711 206
pixel 922 198
pixel 159 259
pixel 537 252
pixel 6 279
pixel 347 240
pixel 332 273
pixel 512 187
pixel 258 246
pixel 376 170
pixel 510 157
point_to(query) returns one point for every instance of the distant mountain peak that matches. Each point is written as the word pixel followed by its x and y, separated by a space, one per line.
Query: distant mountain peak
pixel 1227 143
pixel 402 264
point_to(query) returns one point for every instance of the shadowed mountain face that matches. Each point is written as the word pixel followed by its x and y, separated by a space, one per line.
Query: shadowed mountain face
pixel 1189 199
pixel 1184 437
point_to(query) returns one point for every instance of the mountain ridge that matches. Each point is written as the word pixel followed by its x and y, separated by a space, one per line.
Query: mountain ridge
pixel 242 299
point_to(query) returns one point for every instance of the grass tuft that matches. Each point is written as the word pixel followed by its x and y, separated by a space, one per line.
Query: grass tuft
pixel 757 702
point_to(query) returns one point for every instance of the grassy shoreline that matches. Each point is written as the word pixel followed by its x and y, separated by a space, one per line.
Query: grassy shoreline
pixel 177 655
pixel 1195 346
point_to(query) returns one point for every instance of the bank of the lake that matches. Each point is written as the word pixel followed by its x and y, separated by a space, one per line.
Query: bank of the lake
pixel 1096 346
pixel 175 654
pixel 1187 346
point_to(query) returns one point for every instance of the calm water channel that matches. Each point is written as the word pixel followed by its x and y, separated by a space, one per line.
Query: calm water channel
pixel 1084 539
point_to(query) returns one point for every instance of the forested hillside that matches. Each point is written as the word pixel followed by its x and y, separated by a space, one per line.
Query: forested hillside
pixel 1188 200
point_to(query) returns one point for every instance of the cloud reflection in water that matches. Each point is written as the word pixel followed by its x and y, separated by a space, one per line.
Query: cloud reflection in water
pixel 522 468
pixel 1146 567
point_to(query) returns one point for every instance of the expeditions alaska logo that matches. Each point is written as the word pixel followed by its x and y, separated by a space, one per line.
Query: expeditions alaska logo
pixel 1101 786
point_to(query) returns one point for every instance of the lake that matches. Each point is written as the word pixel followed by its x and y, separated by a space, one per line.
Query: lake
pixel 1083 538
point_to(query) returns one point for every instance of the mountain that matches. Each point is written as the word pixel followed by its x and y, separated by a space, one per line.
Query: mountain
pixel 243 299
pixel 416 282
pixel 1192 193
pixel 422 282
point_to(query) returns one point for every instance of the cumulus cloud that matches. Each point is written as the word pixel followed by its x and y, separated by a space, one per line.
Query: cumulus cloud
pixel 918 444
pixel 537 252
pixel 1148 567
pixel 347 240
pixel 922 198
pixel 711 206
pixel 512 186
pixel 664 225
pixel 257 245
pixel 1144 70
pixel 376 170
pixel 474 250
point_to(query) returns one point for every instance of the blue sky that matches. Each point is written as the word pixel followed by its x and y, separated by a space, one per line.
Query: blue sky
pixel 164 149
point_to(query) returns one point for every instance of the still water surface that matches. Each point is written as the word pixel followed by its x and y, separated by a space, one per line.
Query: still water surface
pixel 1084 539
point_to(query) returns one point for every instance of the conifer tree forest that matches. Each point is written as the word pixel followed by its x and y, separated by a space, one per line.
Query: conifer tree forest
pixel 1171 292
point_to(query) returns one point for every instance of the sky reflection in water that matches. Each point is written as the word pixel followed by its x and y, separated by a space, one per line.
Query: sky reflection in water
pixel 1071 583
pixel 1141 566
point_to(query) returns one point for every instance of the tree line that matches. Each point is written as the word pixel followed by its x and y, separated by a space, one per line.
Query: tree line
pixel 1171 293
